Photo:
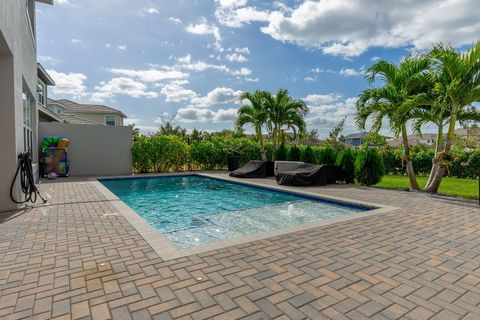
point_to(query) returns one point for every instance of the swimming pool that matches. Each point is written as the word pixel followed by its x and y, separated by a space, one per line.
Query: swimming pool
pixel 192 210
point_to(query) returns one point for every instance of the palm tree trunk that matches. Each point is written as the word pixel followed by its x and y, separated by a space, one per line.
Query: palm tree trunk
pixel 262 145
pixel 408 162
pixel 438 146
pixel 436 180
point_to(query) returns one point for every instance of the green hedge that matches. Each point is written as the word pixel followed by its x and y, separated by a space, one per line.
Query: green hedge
pixel 165 153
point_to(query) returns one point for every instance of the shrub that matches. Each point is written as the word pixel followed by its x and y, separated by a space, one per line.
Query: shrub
pixel 294 154
pixel 140 155
pixel 207 155
pixel 309 155
pixel 176 153
pixel 392 159
pixel 346 161
pixel 326 155
pixel 281 153
pixel 369 167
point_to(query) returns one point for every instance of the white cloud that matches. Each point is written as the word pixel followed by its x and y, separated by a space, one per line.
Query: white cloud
pixel 252 79
pixel 122 47
pixel 76 41
pixel 374 59
pixel 72 84
pixel 176 93
pixel 130 121
pixel 349 72
pixel 364 23
pixel 231 3
pixel 47 60
pixel 175 20
pixel 108 45
pixel 242 72
pixel 151 75
pixel 122 86
pixel 185 59
pixel 310 79
pixel 201 66
pixel 204 28
pixel 236 57
pixel 191 114
pixel 152 10
pixel 62 2
pixel 318 99
pixel 218 96
pixel 328 113
pixel 244 50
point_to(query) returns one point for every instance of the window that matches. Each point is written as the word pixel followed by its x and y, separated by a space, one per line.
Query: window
pixel 28 109
pixel 41 90
pixel 110 120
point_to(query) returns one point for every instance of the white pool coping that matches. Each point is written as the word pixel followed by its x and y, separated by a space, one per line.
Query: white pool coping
pixel 168 251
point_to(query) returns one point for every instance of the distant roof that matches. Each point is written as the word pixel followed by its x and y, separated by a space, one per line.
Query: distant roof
pixel 43 74
pixel 357 135
pixel 423 136
pixel 87 108
pixel 76 120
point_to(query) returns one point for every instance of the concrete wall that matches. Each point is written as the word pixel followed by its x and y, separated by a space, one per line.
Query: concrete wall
pixel 94 150
pixel 96 117
pixel 17 65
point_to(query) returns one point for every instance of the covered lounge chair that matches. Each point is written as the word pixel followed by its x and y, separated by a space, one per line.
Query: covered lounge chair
pixel 310 175
pixel 252 169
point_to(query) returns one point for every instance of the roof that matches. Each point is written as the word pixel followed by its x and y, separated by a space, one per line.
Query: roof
pixel 358 135
pixel 87 108
pixel 44 76
pixel 423 136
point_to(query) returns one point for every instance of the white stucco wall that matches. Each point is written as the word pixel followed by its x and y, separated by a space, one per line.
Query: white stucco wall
pixel 94 150
pixel 17 64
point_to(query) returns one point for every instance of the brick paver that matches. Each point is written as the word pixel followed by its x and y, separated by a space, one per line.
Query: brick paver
pixel 75 258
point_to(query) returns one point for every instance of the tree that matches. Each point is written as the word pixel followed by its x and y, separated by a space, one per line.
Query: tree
pixel 401 82
pixel 253 113
pixel 335 136
pixel 456 88
pixel 284 113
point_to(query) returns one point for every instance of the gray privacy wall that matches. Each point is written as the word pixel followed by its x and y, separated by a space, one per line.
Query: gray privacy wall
pixel 95 150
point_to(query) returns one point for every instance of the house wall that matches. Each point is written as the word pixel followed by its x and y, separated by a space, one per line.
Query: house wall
pixel 94 150
pixel 95 117
pixel 18 65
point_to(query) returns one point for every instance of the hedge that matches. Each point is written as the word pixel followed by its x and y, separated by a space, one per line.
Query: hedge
pixel 166 153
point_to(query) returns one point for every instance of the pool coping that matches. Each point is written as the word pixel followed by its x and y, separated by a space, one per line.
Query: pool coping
pixel 168 251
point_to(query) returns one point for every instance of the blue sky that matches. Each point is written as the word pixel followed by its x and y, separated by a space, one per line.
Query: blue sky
pixel 191 59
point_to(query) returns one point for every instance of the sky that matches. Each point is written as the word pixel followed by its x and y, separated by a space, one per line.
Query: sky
pixel 190 60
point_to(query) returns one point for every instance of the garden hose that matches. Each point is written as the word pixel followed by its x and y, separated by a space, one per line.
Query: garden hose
pixel 27 181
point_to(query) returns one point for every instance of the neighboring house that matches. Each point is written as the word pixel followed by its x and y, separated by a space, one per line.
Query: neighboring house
pixel 354 139
pixel 18 91
pixel 79 113
pixel 43 82
pixel 468 132
pixel 428 139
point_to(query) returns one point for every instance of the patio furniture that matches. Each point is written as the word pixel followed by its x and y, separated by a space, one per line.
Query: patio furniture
pixel 254 169
pixel 281 166
pixel 310 175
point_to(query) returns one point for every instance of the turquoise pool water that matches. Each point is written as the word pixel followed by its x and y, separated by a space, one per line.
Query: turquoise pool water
pixel 192 210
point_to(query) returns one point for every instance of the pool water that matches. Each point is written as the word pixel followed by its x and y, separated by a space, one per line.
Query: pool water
pixel 192 210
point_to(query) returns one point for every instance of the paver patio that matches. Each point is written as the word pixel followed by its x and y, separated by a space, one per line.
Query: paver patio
pixel 78 258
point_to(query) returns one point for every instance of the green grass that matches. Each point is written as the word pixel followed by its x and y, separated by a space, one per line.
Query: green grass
pixel 464 188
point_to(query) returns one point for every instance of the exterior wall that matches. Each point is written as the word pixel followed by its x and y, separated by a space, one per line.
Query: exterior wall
pixel 95 117
pixel 94 150
pixel 18 65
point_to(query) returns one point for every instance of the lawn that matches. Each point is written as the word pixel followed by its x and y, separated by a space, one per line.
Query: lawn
pixel 464 188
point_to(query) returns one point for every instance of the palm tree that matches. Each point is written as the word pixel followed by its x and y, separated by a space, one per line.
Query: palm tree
pixel 284 113
pixel 253 113
pixel 456 88
pixel 401 82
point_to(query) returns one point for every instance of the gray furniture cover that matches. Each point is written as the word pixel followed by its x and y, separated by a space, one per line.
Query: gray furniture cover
pixel 252 169
pixel 310 175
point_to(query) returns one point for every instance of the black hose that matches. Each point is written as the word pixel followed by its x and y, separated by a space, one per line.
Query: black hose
pixel 27 180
